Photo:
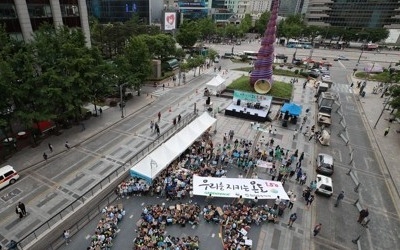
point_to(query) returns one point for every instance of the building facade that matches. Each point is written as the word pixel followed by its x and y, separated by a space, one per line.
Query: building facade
pixel 109 11
pixel 260 6
pixel 354 14
pixel 21 18
pixel 290 7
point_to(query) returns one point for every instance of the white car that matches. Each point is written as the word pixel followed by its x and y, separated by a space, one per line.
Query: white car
pixel 324 185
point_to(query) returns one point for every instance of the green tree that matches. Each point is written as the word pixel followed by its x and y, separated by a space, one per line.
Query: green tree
pixel 134 65
pixel 245 24
pixel 206 28
pixel 161 46
pixel 261 24
pixel 63 59
pixel 188 34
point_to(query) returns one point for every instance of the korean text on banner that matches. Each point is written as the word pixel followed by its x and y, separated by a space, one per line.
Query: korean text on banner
pixel 236 187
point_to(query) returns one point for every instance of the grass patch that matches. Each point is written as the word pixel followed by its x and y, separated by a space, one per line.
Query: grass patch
pixel 379 77
pixel 279 89
pixel 242 83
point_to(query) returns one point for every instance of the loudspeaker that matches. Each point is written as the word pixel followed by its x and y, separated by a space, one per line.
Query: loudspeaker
pixel 208 101
pixel 238 102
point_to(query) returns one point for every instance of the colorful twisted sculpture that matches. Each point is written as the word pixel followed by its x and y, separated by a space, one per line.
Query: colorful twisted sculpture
pixel 261 76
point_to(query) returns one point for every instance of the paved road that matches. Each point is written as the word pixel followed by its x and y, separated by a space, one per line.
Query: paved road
pixel 59 181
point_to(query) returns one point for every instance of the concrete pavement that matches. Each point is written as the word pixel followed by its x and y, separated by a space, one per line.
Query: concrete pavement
pixel 48 187
pixel 387 147
pixel 265 236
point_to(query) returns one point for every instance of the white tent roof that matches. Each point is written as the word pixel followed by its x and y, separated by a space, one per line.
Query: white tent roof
pixel 161 157
pixel 216 84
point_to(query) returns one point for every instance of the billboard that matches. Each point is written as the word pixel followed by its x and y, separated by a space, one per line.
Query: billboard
pixel 192 3
pixel 169 21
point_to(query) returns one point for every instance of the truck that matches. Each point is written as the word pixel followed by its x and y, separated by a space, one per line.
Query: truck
pixel 325 103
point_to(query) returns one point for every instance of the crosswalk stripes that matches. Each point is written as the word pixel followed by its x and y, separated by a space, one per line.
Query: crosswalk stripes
pixel 159 92
pixel 342 88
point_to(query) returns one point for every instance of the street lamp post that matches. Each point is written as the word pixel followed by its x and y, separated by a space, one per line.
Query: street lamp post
pixel 153 164
pixel 121 99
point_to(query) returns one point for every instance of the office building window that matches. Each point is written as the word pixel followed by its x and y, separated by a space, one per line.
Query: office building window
pixel 69 10
pixel 39 10
pixel 7 11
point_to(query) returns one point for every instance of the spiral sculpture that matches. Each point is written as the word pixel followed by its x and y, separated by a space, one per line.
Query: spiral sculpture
pixel 261 76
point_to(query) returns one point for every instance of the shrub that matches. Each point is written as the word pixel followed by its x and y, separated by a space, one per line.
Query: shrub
pixel 296 71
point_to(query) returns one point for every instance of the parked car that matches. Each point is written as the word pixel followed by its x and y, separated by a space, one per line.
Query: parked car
pixel 313 74
pixel 8 175
pixel 341 58
pixel 281 56
pixel 325 164
pixel 324 185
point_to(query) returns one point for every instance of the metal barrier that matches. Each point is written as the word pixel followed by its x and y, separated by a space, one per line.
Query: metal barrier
pixel 94 191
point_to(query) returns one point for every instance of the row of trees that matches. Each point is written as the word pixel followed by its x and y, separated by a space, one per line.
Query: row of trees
pixel 53 76
pixel 295 27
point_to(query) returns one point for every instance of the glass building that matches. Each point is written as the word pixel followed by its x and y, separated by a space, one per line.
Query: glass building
pixel 23 17
pixel 108 11
pixel 193 9
pixel 354 13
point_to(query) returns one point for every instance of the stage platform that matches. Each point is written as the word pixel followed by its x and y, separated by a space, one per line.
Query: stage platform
pixel 258 115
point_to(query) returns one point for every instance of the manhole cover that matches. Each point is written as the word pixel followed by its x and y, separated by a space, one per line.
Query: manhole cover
pixel 11 194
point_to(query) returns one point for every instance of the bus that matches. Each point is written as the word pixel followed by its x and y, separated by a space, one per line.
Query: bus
pixel 306 45
pixel 293 44
pixel 251 54
pixel 299 44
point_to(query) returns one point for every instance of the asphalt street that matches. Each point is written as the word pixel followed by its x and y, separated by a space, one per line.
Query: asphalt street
pixel 49 186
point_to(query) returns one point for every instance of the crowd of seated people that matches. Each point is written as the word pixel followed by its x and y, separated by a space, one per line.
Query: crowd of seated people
pixel 151 227
pixel 237 220
pixel 107 228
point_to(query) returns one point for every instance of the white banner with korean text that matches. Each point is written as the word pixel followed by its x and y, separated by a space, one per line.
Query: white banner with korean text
pixel 236 187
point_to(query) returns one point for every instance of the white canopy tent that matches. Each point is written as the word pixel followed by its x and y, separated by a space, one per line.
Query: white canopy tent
pixel 216 85
pixel 150 166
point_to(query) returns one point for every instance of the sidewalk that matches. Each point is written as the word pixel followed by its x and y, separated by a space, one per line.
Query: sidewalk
pixel 29 156
pixel 279 236
pixel 387 147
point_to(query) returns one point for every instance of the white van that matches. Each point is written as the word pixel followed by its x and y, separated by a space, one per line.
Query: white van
pixel 324 185
pixel 8 175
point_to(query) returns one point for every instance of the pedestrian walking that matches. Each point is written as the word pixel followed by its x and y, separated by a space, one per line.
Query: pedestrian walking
pixel 163 86
pixel 22 207
pixel 179 118
pixel 386 131
pixel 158 131
pixel 50 147
pixel 67 145
pixel 151 126
pixel 292 200
pixel 305 84
pixel 363 214
pixel 45 156
pixel 83 126
pixel 351 85
pixel 339 198
pixel 292 219
pixel 301 158
pixel 101 111
pixel 295 134
pixel 303 179
pixel 277 202
pixel 19 212
pixel 66 236
pixel 174 121
pixel 159 116
pixel 317 229
pixel 310 201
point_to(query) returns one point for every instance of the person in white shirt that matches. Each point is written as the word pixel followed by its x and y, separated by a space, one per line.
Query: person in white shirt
pixel 292 201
